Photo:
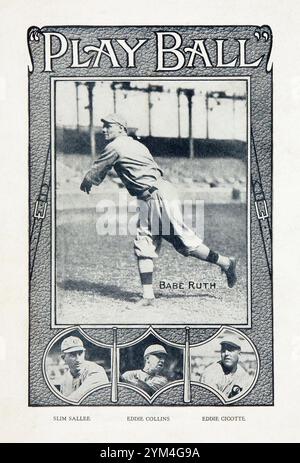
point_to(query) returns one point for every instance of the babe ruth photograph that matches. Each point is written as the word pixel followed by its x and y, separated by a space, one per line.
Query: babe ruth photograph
pixel 151 365
pixel 151 202
pixel 228 364
pixel 74 367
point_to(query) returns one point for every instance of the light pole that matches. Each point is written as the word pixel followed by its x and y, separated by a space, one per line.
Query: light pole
pixel 189 93
pixel 149 90
pixel 215 96
pixel 149 110
pixel 178 91
pixel 77 105
pixel 127 87
pixel 207 109
pixel 219 96
pixel 90 87
pixel 113 86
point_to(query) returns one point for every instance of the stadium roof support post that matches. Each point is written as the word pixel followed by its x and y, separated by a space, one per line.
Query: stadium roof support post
pixel 150 104
pixel 207 112
pixel 216 96
pixel 113 86
pixel 178 91
pixel 77 105
pixel 126 86
pixel 90 87
pixel 115 99
pixel 149 90
pixel 189 93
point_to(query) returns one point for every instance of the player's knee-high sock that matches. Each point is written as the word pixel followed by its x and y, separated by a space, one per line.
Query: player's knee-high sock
pixel 204 253
pixel 146 272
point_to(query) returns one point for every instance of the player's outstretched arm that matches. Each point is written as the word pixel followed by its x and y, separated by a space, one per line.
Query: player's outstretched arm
pixel 101 167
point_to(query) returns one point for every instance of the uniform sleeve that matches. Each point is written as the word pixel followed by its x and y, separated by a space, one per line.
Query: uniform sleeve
pixel 66 386
pixel 95 378
pixel 124 377
pixel 130 377
pixel 209 377
pixel 102 165
pixel 156 382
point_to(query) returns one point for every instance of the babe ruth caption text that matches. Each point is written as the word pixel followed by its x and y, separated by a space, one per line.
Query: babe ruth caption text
pixel 190 285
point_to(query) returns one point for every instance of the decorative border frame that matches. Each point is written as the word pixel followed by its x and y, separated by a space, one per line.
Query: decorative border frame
pixel 260 145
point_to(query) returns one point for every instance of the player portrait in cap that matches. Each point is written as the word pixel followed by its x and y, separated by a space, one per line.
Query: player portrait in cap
pixel 228 364
pixel 115 118
pixel 69 370
pixel 158 363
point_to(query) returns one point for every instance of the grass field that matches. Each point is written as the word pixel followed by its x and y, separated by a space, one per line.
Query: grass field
pixel 97 276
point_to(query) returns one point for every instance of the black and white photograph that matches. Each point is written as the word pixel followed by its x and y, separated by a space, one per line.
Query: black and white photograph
pixel 228 364
pixel 151 202
pixel 150 178
pixel 149 225
pixel 151 365
pixel 74 366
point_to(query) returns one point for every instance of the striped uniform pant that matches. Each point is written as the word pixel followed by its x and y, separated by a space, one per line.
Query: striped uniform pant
pixel 160 217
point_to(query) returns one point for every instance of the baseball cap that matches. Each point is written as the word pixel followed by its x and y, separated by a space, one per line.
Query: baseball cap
pixel 155 349
pixel 230 342
pixel 71 344
pixel 115 118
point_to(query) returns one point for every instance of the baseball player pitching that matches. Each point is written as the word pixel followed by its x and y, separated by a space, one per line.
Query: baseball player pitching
pixel 82 375
pixel 227 376
pixel 160 213
pixel 150 378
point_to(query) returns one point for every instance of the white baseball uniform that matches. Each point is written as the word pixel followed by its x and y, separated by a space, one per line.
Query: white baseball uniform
pixel 229 384
pixel 142 379
pixel 160 212
pixel 91 376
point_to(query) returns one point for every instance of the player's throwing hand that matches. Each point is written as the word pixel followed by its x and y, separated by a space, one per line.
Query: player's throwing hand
pixel 86 185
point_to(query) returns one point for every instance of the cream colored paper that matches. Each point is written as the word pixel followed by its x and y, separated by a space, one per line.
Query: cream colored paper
pixel 19 423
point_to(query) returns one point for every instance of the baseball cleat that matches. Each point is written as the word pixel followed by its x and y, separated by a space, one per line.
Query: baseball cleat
pixel 231 273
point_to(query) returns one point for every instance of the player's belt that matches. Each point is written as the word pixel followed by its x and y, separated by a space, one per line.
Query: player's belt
pixel 146 194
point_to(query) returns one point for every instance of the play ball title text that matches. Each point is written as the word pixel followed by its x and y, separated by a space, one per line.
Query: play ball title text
pixel 167 47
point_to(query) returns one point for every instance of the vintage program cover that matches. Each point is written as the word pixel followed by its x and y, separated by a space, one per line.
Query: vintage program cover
pixel 150 216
